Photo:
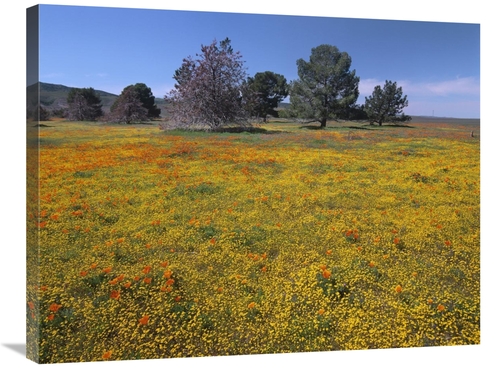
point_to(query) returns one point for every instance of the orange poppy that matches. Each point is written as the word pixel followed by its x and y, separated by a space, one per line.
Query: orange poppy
pixel 164 264
pixel 170 282
pixel 54 307
pixel 146 269
pixel 31 305
pixel 93 265
pixel 178 298
pixel 212 241
pixel 144 320
pixel 251 305
pixel 120 240
pixel 147 280
pixel 167 274
pixel 371 264
pixel 50 317
pixel 447 242
pixel 321 311
pixel 396 240
pixel 148 246
pixel 219 290
pixel 107 354
pixel 107 269
pixel 398 289
pixel 121 277
pixel 83 273
pixel 326 274
pixel 54 217
pixel 322 267
pixel 115 294
pixel 264 255
pixel 440 307
pixel 43 287
pixel 329 252
pixel 264 269
pixel 127 284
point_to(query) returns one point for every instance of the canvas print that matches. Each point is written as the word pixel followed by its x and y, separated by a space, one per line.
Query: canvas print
pixel 209 184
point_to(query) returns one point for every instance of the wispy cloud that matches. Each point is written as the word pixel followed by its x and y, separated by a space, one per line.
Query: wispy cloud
pixel 51 76
pixel 459 86
pixel 366 86
pixel 99 75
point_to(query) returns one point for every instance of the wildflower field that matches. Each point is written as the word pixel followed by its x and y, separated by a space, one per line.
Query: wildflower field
pixel 156 244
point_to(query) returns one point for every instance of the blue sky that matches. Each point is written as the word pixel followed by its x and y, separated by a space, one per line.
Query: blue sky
pixel 436 63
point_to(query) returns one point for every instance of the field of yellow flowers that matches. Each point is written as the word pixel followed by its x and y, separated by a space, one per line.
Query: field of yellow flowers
pixel 156 244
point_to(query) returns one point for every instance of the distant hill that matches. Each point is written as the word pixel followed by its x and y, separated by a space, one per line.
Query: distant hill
pixel 54 97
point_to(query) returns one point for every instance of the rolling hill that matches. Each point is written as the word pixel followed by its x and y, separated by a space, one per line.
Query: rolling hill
pixel 54 97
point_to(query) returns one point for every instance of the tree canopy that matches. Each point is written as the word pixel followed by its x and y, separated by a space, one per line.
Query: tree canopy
pixel 128 107
pixel 386 104
pixel 326 88
pixel 84 104
pixel 146 98
pixel 264 92
pixel 208 92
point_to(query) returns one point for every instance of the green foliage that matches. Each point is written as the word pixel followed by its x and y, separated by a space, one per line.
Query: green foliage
pixel 326 87
pixel 128 108
pixel 386 104
pixel 264 92
pixel 84 104
pixel 145 97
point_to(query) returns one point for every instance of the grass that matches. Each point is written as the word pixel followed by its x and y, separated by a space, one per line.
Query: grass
pixel 159 244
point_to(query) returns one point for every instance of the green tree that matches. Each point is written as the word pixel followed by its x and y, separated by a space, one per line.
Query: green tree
pixel 146 97
pixel 128 108
pixel 84 104
pixel 326 87
pixel 386 104
pixel 264 92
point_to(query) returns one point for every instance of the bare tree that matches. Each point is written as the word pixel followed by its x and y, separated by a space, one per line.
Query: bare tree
pixel 208 92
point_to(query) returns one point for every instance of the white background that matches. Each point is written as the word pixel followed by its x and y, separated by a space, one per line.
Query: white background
pixel 12 192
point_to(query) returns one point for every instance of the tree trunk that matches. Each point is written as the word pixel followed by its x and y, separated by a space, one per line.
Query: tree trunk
pixel 323 122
